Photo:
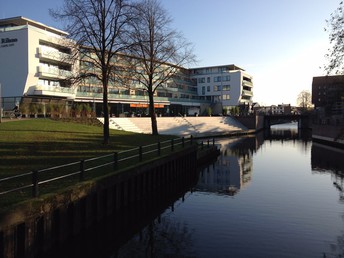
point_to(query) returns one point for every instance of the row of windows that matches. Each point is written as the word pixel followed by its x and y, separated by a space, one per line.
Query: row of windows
pixel 210 70
pixel 224 78
pixel 54 83
pixel 216 88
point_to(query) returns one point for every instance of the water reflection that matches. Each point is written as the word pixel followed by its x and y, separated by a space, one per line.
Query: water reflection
pixel 233 169
pixel 290 209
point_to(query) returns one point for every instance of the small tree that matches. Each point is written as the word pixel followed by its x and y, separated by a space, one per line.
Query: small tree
pixel 304 100
pixel 98 28
pixel 156 47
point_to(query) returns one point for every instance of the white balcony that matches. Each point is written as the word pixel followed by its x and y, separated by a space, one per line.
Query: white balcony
pixel 54 55
pixel 51 72
pixel 57 91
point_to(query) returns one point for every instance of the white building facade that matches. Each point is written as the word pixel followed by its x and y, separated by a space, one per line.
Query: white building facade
pixel 35 62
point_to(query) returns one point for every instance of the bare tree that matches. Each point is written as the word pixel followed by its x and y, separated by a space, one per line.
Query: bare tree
pixel 99 29
pixel 304 100
pixel 159 50
pixel 335 28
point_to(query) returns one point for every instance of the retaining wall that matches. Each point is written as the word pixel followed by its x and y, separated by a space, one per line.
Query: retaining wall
pixel 44 223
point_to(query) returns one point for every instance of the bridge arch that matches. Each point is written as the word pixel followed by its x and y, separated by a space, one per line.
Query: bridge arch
pixel 302 120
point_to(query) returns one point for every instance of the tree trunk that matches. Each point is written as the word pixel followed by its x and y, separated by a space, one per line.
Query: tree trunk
pixel 152 114
pixel 106 131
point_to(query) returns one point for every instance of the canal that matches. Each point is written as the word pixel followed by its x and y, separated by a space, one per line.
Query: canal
pixel 275 194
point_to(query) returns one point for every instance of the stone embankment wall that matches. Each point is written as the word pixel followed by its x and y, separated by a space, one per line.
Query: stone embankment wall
pixel 328 134
pixel 252 122
pixel 39 225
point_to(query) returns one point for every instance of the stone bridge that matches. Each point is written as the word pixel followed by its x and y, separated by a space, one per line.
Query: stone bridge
pixel 302 120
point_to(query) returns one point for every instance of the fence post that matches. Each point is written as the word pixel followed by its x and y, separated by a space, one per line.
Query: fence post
pixel 159 148
pixel 82 170
pixel 34 183
pixel 172 144
pixel 140 153
pixel 183 143
pixel 202 145
pixel 115 160
pixel 208 143
pixel 191 140
pixel 213 142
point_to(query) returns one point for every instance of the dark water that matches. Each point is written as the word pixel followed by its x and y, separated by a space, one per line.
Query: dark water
pixel 274 195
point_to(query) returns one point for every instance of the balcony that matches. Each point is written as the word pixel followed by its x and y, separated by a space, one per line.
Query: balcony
pixel 54 55
pixel 56 91
pixel 247 83
pixel 247 93
pixel 51 72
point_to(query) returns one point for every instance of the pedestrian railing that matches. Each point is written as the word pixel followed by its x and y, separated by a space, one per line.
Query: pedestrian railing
pixel 36 182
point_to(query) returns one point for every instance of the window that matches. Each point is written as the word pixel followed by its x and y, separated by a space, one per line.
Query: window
pixel 226 78
pixel 226 87
pixel 226 97
pixel 217 79
pixel 203 90
pixel 208 79
pixel 217 88
pixel 208 88
pixel 201 80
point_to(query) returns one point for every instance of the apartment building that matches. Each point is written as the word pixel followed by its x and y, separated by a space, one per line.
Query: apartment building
pixel 36 62
pixel 328 94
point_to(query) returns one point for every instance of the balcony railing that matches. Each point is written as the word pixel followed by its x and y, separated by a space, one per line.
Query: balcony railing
pixel 247 83
pixel 54 55
pixel 247 93
pixel 54 91
pixel 53 72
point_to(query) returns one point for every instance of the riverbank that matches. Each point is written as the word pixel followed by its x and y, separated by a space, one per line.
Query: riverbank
pixel 328 134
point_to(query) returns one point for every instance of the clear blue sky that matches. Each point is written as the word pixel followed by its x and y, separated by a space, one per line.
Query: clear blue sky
pixel 280 43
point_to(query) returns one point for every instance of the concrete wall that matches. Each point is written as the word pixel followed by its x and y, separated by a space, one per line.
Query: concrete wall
pixel 252 122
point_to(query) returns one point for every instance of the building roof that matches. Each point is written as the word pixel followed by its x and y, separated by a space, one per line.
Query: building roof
pixel 21 21
pixel 230 66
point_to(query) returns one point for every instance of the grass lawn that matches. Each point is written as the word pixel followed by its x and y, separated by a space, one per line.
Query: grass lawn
pixel 26 145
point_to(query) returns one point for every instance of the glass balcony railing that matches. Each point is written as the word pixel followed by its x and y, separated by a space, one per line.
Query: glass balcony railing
pixel 137 98
pixel 53 72
pixel 54 91
pixel 54 55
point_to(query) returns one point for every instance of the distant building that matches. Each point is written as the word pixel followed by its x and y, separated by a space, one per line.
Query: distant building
pixel 328 94
pixel 280 109
pixel 36 61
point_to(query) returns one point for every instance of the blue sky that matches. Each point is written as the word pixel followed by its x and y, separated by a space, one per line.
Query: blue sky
pixel 280 43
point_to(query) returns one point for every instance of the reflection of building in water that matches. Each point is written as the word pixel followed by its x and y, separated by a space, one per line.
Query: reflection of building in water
pixel 327 159
pixel 330 160
pixel 233 169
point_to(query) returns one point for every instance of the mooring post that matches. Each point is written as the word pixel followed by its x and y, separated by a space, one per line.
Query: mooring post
pixel 115 160
pixel 208 143
pixel 140 153
pixel 82 170
pixel 159 148
pixel 34 183
pixel 191 139
pixel 172 144
pixel 183 142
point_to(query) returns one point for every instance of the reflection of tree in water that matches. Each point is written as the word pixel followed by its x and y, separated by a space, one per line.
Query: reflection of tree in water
pixel 161 238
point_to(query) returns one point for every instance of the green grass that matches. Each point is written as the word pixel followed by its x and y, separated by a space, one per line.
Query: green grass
pixel 27 145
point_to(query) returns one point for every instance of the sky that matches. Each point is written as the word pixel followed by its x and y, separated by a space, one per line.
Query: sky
pixel 282 44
